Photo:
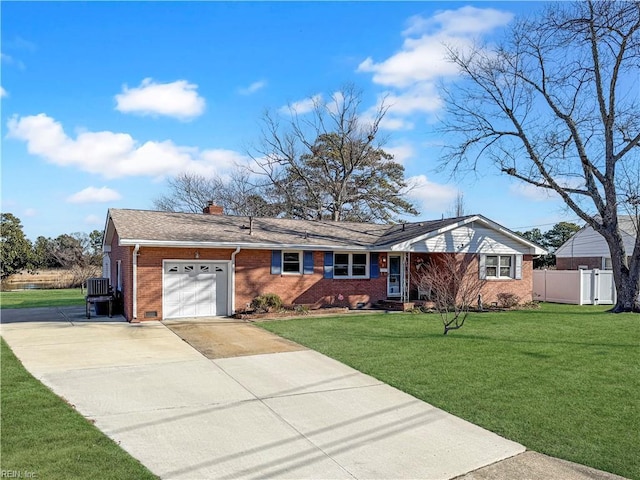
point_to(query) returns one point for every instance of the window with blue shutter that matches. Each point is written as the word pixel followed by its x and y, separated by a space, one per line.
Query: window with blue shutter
pixel 276 262
pixel 374 268
pixel 328 264
pixel 307 268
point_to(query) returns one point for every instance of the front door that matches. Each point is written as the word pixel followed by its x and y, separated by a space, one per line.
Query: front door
pixel 394 278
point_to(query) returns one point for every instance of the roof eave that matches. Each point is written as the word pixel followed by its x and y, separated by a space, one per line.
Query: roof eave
pixel 232 245
pixel 406 245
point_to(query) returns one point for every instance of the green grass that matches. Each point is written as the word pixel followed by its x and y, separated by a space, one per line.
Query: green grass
pixel 562 380
pixel 41 298
pixel 43 436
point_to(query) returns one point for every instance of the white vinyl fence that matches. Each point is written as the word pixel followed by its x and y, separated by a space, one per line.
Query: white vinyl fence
pixel 578 287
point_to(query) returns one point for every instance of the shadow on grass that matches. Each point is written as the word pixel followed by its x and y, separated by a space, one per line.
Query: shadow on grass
pixel 470 337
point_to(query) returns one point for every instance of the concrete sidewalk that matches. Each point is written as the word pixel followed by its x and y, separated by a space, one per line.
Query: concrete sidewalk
pixel 296 414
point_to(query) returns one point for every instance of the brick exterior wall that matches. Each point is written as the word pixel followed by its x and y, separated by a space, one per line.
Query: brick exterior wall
pixel 522 288
pixel 253 278
pixel 492 287
pixel 124 254
pixel 572 263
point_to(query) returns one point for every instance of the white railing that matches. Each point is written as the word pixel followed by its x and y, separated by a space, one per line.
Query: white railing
pixel 578 287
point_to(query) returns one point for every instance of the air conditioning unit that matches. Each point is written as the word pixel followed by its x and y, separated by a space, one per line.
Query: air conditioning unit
pixel 97 287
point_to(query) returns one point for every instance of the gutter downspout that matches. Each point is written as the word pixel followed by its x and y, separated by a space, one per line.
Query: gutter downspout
pixel 135 281
pixel 233 280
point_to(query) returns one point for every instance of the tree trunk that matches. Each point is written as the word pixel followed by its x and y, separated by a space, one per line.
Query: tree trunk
pixel 627 280
pixel 627 290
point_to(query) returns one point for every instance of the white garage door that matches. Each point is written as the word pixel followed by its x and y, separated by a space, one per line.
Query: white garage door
pixel 194 289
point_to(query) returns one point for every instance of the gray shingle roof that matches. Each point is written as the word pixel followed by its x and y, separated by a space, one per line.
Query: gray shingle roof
pixel 153 227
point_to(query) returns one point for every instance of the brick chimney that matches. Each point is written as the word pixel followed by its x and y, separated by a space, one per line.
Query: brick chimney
pixel 212 209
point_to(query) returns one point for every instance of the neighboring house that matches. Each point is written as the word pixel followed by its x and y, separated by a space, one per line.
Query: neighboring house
pixel 173 265
pixel 587 249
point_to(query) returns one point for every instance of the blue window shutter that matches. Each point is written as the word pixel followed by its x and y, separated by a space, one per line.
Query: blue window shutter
pixel 276 262
pixel 374 268
pixel 328 264
pixel 307 263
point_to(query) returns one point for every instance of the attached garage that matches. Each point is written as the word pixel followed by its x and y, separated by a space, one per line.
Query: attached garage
pixel 195 289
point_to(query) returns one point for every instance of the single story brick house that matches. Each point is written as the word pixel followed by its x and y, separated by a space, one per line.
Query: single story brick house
pixel 587 249
pixel 174 265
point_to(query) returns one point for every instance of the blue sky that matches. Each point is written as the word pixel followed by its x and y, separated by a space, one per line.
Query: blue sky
pixel 102 101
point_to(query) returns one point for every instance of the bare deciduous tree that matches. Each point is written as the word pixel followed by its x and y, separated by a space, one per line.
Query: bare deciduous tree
pixel 556 106
pixel 329 163
pixel 453 285
pixel 79 254
pixel 458 208
pixel 237 194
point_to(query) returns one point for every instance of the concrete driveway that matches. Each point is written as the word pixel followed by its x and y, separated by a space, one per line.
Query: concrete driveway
pixel 294 414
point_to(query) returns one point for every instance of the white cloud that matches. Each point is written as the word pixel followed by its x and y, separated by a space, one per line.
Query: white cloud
pixel 422 98
pixel 178 99
pixel 531 192
pixel 423 56
pixel 114 155
pixel 3 93
pixel 20 43
pixel 94 220
pixel 395 123
pixel 94 195
pixel 253 88
pixel 464 21
pixel 30 212
pixel 421 62
pixel 223 159
pixel 9 60
pixel 539 194
pixel 301 106
pixel 401 153
pixel 431 198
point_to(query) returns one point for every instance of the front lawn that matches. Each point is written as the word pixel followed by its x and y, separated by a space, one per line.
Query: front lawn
pixel 44 437
pixel 41 298
pixel 563 380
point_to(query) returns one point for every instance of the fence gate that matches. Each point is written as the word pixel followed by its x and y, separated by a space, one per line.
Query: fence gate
pixel 577 287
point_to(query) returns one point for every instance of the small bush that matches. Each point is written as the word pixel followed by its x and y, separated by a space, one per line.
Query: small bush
pixel 508 300
pixel 533 305
pixel 304 309
pixel 267 302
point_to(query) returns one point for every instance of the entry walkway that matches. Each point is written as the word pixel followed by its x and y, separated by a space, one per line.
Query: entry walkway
pixel 295 414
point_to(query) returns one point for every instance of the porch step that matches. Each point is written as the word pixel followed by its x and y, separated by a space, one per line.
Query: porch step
pixel 395 305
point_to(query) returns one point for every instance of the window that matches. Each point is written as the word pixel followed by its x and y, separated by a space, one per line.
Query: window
pixel 350 265
pixel 291 262
pixel 341 265
pixel 505 267
pixel 501 266
pixel 359 265
pixel 606 263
